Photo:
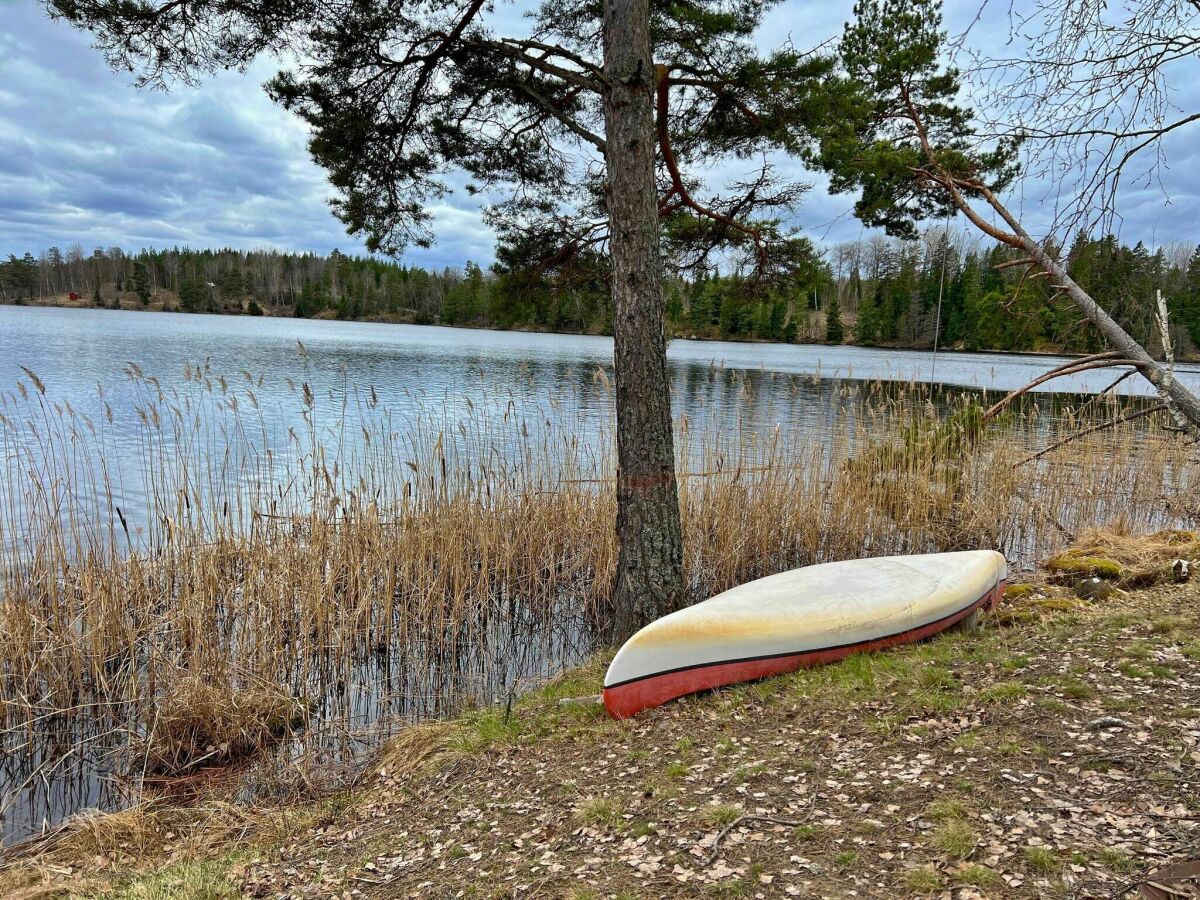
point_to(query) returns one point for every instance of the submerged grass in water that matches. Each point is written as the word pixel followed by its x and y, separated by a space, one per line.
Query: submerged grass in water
pixel 370 569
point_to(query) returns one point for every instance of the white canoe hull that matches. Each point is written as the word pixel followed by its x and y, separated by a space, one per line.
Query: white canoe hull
pixel 804 617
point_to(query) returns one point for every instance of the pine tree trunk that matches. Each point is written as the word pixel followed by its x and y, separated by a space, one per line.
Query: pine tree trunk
pixel 649 578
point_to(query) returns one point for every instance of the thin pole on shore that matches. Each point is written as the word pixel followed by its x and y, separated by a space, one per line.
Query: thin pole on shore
pixel 937 324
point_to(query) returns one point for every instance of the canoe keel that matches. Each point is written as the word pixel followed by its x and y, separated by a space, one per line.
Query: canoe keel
pixel 631 697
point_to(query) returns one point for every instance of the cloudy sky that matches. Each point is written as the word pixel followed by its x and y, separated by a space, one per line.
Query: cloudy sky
pixel 85 157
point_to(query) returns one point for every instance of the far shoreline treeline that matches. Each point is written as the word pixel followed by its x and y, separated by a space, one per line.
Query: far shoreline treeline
pixel 875 292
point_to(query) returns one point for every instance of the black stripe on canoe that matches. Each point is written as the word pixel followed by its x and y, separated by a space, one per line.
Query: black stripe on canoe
pixel 746 659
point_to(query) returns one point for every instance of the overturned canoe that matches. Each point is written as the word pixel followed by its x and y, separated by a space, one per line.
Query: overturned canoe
pixel 804 617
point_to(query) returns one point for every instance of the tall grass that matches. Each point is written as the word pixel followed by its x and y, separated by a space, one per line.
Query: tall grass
pixel 371 563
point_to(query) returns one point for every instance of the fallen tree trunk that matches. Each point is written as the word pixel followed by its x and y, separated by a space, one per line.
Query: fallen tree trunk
pixel 1182 404
pixel 1179 399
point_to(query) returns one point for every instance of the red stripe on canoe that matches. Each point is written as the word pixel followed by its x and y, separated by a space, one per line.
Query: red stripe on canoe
pixel 630 698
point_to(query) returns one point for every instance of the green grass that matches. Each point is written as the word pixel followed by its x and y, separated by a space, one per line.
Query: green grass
pixel 582 681
pixel 924 880
pixel 734 887
pixel 1130 670
pixel 950 808
pixel 976 876
pixel 721 814
pixel 935 678
pixel 1003 692
pixel 847 859
pixel 486 728
pixel 641 829
pixel 1117 861
pixel 1054 705
pixel 749 773
pixel 1010 744
pixel 604 812
pixel 805 832
pixel 955 839
pixel 538 714
pixel 1042 860
pixel 1074 688
pixel 968 740
pixel 1139 650
pixel 1168 624
pixel 181 881
pixel 677 769
pixel 1121 621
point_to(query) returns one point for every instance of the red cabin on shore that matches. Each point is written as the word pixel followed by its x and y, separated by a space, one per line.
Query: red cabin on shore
pixel 73 295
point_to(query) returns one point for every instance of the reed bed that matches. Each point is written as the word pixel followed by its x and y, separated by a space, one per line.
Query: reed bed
pixel 369 564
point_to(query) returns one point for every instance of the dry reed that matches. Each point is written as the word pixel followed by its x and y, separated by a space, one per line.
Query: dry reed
pixel 201 722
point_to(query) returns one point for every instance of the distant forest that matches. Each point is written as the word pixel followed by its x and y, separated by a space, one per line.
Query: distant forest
pixel 876 292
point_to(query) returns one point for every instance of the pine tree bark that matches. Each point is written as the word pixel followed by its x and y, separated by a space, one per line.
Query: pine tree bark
pixel 649 577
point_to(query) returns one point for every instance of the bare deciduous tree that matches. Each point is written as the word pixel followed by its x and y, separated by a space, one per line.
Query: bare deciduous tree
pixel 1092 93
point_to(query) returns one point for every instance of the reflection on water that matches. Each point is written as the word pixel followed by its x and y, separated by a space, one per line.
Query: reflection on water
pixel 74 349
pixel 534 402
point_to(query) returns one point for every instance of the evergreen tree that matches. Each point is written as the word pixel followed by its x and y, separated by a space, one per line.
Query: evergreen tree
pixel 141 282
pixel 448 92
pixel 675 304
pixel 1189 299
pixel 26 275
pixel 192 296
pixel 834 331
pixel 866 328
pixel 889 306
pixel 705 302
pixel 777 313
pixel 729 316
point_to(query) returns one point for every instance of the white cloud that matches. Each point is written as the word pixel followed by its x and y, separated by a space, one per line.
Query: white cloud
pixel 86 157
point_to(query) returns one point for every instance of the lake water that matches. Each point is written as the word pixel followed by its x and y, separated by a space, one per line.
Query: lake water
pixel 73 350
pixel 83 357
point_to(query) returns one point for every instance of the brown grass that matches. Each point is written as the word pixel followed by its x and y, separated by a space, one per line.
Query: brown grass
pixel 1140 551
pixel 1133 560
pixel 201 722
pixel 413 749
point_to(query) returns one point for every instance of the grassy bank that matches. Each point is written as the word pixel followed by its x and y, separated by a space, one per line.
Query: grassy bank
pixel 364 568
pixel 1051 754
